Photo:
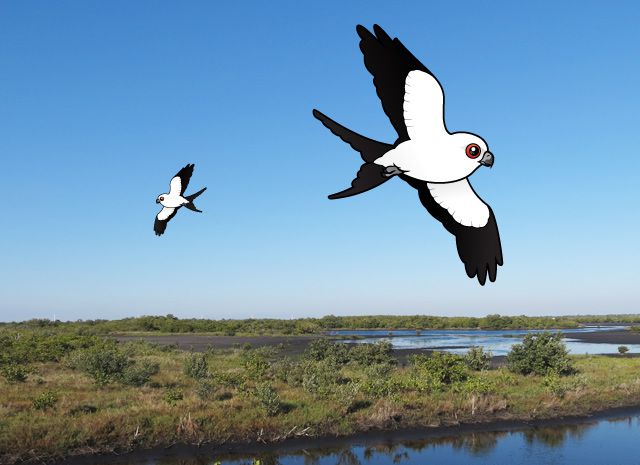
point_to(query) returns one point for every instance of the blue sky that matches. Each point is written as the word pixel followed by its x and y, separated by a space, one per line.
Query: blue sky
pixel 102 102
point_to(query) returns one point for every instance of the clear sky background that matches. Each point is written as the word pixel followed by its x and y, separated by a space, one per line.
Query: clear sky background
pixel 102 102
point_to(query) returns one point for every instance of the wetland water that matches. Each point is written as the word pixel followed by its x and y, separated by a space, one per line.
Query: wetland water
pixel 499 342
pixel 613 440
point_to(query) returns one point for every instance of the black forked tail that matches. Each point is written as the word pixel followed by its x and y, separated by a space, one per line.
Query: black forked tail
pixel 370 175
pixel 191 206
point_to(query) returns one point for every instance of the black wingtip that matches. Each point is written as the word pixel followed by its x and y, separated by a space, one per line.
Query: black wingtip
pixel 381 34
pixel 316 114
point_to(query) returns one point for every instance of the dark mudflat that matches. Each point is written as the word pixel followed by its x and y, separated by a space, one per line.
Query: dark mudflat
pixel 608 337
pixel 292 345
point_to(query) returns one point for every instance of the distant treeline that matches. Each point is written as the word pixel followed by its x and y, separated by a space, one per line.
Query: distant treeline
pixel 172 324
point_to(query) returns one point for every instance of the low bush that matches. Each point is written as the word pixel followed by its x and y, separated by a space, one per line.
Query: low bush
pixel 320 378
pixel 172 396
pixel 444 367
pixel 104 363
pixel 288 371
pixel 206 389
pixel 256 361
pixel 15 373
pixel 322 349
pixel 477 385
pixel 477 359
pixel 540 354
pixel 139 373
pixel 196 366
pixel 268 399
pixel 45 401
pixel 623 350
pixel 379 353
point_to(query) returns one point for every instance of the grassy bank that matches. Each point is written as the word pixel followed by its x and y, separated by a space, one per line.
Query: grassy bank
pixel 79 395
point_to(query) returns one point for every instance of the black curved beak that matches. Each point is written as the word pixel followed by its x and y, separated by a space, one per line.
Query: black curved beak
pixel 157 201
pixel 487 159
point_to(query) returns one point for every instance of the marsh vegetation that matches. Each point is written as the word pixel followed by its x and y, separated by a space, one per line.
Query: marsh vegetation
pixel 68 392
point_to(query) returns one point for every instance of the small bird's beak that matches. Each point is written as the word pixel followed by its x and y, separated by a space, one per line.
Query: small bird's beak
pixel 487 159
pixel 157 201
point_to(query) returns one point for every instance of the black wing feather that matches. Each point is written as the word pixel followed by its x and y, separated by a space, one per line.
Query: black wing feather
pixel 159 226
pixel 369 176
pixel 389 62
pixel 479 248
pixel 369 149
pixel 185 175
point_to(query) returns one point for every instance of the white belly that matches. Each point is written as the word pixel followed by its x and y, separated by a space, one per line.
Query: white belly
pixel 173 201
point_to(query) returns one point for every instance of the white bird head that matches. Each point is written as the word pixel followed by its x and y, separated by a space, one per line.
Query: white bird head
pixel 458 155
pixel 160 199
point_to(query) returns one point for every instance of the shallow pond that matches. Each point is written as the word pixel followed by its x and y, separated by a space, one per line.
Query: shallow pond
pixel 499 342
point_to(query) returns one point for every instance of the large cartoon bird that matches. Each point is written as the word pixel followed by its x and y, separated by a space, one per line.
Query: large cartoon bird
pixel 426 155
pixel 174 200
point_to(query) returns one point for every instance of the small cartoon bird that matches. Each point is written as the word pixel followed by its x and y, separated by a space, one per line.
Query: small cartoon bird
pixel 426 155
pixel 172 201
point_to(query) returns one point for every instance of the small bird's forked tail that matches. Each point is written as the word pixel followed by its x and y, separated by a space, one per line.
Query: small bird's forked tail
pixel 370 174
pixel 191 206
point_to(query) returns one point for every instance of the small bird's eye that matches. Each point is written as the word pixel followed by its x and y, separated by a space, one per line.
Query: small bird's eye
pixel 473 151
pixel 161 198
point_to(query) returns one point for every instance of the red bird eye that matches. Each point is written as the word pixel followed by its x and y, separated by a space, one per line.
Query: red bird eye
pixel 473 151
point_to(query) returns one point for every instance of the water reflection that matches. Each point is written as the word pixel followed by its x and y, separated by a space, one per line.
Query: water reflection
pixel 598 442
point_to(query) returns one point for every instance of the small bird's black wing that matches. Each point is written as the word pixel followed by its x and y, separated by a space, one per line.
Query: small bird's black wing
pixel 389 62
pixel 479 248
pixel 162 218
pixel 180 181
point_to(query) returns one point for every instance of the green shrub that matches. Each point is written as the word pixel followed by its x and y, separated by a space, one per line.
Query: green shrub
pixel 540 354
pixel 477 359
pixel 172 396
pixel 623 350
pixel 229 379
pixel 42 345
pixel 341 354
pixel 196 366
pixel 321 349
pixel 553 384
pixel 477 385
pixel 444 367
pixel 104 363
pixel 45 401
pixel 268 399
pixel 206 389
pixel 256 361
pixel 288 371
pixel 320 378
pixel 344 396
pixel 373 354
pixel 138 374
pixel 15 373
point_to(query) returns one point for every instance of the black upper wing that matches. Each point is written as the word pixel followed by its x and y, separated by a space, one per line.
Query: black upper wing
pixel 185 175
pixel 159 226
pixel 389 62
pixel 479 248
